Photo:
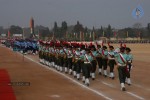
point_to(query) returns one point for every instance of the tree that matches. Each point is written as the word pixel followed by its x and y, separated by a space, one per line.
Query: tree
pixel 138 31
pixel 55 30
pixel 148 28
pixel 100 32
pixel 64 28
pixel 1 30
pixel 109 32
pixel 15 30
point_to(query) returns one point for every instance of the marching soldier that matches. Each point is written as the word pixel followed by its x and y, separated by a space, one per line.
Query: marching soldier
pixel 40 51
pixel 78 62
pixel 104 60
pixel 43 52
pixel 81 63
pixel 76 59
pixel 56 50
pixel 61 58
pixel 121 60
pixel 99 59
pixel 69 59
pixel 129 64
pixel 65 57
pixel 111 61
pixel 87 66
pixel 94 63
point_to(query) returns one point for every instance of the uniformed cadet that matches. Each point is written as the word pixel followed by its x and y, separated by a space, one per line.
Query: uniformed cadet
pixel 87 66
pixel 129 64
pixel 43 52
pixel 61 58
pixel 40 51
pixel 94 63
pixel 46 54
pixel 70 58
pixel 121 60
pixel 104 60
pixel 66 58
pixel 34 47
pixel 82 53
pixel 99 59
pixel 111 61
pixel 51 51
pixel 76 58
pixel 78 63
pixel 56 56
pixel 52 54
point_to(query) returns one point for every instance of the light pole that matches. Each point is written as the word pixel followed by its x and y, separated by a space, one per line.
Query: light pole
pixel 22 32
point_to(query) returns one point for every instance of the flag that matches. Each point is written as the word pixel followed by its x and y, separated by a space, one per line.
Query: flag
pixel 93 35
pixel 86 34
pixel 80 36
pixel 102 43
pixel 139 34
pixel 8 34
pixel 90 35
pixel 127 33
pixel 76 35
pixel 67 35
pixel 103 33
pixel 83 36
pixel 115 34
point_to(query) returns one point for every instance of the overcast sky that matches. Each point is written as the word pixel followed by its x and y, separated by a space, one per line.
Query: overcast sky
pixel 117 13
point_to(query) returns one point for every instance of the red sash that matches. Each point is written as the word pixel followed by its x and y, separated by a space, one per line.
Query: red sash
pixel 69 53
pixel 92 54
pixel 109 54
pixel 102 52
pixel 87 58
pixel 123 60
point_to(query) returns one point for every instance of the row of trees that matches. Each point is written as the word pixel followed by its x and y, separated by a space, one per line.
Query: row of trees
pixel 78 31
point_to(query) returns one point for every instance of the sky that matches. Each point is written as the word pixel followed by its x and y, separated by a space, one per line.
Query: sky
pixel 97 13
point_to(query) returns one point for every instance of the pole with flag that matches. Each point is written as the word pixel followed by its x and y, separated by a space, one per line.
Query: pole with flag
pixel 114 33
pixel 90 36
pixel 8 34
pixel 93 35
pixel 80 36
pixel 32 27
pixel 103 33
pixel 127 34
pixel 76 35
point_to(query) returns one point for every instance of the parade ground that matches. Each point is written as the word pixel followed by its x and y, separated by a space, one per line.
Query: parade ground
pixel 31 80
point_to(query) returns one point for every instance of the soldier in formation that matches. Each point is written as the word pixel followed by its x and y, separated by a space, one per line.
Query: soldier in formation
pixel 82 60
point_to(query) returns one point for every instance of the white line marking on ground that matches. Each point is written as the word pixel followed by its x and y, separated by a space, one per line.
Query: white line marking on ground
pixel 105 83
pixel 94 91
pixel 138 85
pixel 55 96
pixel 138 97
pixel 141 87
pixel 130 93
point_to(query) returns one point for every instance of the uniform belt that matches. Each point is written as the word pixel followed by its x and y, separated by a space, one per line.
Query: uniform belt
pixel 87 62
pixel 121 64
pixel 70 56
pixel 129 61
pixel 111 58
